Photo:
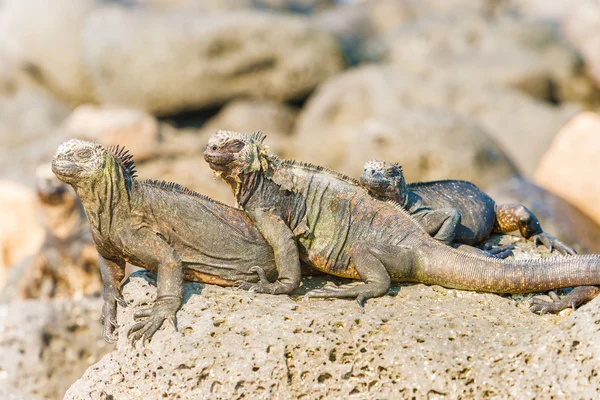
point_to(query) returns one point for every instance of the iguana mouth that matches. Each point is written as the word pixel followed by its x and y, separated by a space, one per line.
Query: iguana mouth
pixel 62 168
pixel 218 161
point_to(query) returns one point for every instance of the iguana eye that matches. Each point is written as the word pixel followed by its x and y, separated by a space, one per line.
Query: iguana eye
pixel 83 154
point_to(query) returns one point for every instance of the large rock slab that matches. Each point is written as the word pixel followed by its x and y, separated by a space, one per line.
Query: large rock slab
pixel 46 346
pixel 570 167
pixel 197 59
pixel 418 341
pixel 521 126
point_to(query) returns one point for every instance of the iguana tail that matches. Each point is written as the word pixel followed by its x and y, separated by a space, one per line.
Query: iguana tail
pixel 459 270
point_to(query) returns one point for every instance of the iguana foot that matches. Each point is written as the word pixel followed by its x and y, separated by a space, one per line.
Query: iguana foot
pixel 153 318
pixel 578 296
pixel 503 251
pixel 552 243
pixel 360 292
pixel 264 286
pixel 109 316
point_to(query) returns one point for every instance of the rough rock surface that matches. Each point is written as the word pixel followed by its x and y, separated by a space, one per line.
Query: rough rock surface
pixel 418 341
pixel 46 346
pixel 557 216
pixel 570 167
pixel 225 55
pixel 522 126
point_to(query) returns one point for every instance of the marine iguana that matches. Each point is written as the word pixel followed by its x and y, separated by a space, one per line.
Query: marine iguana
pixel 159 226
pixel 328 220
pixel 454 210
pixel 67 263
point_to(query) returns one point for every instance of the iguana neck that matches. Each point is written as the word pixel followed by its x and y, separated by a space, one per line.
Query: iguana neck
pixel 249 183
pixel 403 193
pixel 107 196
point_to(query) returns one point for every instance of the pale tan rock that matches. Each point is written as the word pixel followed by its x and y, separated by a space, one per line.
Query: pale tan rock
pixel 44 38
pixel 47 345
pixel 520 125
pixel 138 131
pixel 571 165
pixel 21 231
pixel 276 120
pixel 581 26
pixel 171 61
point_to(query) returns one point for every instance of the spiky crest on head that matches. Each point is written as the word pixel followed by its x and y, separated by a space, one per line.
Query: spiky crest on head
pixel 124 158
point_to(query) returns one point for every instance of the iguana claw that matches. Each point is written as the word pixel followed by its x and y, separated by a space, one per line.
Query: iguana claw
pixel 153 318
pixel 552 243
pixel 120 300
pixel 276 287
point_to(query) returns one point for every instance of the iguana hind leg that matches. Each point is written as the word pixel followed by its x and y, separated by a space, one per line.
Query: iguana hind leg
pixel 512 217
pixel 503 251
pixel 578 296
pixel 441 224
pixel 373 263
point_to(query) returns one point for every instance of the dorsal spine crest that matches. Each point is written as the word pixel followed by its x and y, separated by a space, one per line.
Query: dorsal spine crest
pixel 124 158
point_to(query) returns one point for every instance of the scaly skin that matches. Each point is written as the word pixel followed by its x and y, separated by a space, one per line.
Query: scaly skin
pixel 332 223
pixel 158 226
pixel 454 211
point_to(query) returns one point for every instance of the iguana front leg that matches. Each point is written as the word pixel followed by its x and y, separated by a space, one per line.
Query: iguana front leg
pixel 112 272
pixel 152 250
pixel 280 237
pixel 512 217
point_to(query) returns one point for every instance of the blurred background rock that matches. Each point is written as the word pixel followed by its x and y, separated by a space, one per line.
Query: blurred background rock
pixel 464 89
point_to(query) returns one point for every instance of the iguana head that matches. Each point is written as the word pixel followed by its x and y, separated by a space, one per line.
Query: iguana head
pixel 383 179
pixel 231 154
pixel 78 161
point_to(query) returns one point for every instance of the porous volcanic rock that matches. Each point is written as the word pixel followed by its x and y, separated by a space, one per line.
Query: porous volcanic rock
pixel 417 341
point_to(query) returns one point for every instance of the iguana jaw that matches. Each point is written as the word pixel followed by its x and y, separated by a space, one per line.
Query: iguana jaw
pixel 66 171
